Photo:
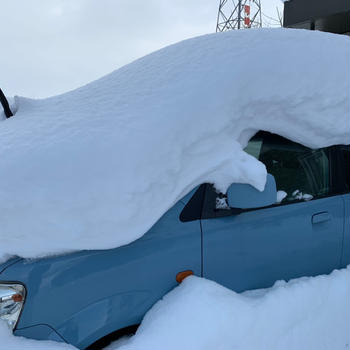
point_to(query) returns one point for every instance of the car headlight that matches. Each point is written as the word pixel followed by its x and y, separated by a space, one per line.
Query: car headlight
pixel 12 297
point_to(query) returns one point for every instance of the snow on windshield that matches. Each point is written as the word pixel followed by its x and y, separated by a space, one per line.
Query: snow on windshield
pixel 96 167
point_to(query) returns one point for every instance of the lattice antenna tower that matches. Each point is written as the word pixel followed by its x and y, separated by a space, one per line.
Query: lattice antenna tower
pixel 238 14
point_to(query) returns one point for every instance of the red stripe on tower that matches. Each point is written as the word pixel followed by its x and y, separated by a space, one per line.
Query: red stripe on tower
pixel 247 16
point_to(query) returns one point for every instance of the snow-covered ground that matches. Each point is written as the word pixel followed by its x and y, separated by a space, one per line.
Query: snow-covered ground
pixel 303 314
pixel 82 166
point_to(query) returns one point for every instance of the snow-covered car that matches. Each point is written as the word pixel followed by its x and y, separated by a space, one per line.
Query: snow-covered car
pixel 168 167
pixel 244 240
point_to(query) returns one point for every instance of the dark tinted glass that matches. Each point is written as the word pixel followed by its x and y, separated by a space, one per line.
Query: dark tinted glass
pixel 302 173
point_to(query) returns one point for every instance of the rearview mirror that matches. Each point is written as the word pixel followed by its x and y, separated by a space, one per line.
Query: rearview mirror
pixel 244 196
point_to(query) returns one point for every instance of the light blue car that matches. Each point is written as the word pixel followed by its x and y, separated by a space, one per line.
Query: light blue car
pixel 245 239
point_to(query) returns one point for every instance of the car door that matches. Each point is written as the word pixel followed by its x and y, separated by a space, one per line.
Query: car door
pixel 300 236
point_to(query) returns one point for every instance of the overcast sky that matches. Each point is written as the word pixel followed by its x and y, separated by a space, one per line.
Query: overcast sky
pixel 52 46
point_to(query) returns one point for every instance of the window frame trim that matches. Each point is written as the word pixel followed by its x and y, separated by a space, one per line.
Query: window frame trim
pixel 237 211
pixel 340 171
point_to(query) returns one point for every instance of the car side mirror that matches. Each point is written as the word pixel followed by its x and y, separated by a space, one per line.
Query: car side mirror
pixel 244 196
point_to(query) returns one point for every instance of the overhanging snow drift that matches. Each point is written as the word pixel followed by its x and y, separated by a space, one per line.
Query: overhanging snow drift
pixel 96 167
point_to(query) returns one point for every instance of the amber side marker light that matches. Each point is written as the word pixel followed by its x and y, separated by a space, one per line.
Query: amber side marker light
pixel 182 275
pixel 17 298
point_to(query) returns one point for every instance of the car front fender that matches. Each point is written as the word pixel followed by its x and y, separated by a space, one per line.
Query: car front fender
pixel 105 316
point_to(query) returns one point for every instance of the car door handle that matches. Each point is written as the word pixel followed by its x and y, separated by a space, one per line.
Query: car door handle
pixel 321 217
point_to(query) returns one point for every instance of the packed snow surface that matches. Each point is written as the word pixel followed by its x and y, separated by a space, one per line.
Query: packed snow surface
pixel 96 167
pixel 303 314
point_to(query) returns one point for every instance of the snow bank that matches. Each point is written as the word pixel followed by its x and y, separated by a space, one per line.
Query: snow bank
pixel 96 167
pixel 304 314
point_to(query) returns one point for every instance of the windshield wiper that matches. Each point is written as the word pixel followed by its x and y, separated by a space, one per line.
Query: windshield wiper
pixel 5 105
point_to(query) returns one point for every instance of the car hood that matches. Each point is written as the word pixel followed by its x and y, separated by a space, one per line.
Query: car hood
pixel 9 263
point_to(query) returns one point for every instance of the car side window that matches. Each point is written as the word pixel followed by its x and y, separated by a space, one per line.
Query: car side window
pixel 301 173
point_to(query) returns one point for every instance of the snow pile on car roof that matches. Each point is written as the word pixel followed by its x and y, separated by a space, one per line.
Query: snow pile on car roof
pixel 96 167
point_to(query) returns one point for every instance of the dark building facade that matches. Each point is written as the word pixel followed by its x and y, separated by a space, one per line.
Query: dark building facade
pixel 325 15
